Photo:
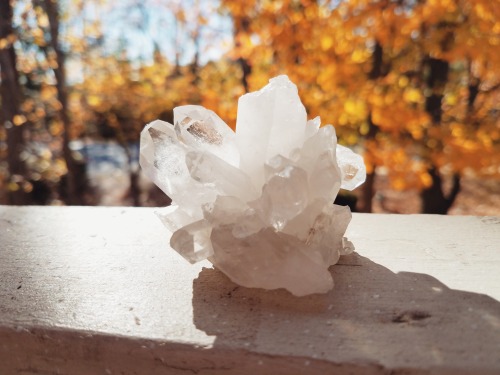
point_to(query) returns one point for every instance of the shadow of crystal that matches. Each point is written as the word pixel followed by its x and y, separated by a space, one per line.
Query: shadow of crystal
pixel 372 315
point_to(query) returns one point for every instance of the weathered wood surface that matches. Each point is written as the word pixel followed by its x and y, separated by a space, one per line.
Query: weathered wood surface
pixel 98 291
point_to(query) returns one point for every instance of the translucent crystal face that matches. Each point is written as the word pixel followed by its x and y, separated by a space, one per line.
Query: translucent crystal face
pixel 258 202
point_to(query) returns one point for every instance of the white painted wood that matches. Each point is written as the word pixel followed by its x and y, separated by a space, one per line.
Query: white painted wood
pixel 98 291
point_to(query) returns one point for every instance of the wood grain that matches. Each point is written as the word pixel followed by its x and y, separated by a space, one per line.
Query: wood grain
pixel 98 291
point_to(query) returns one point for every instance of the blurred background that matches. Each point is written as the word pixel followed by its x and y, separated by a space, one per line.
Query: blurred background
pixel 413 85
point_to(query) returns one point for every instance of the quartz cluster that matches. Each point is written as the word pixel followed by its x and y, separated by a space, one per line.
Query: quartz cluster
pixel 258 202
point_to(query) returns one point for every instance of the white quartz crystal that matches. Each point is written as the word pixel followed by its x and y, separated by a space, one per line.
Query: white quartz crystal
pixel 258 202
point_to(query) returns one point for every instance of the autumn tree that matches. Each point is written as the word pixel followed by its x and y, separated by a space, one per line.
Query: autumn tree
pixel 56 57
pixel 414 83
pixel 39 101
pixel 122 91
pixel 120 94
pixel 11 116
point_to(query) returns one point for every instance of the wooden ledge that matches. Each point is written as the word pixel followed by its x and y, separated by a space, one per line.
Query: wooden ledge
pixel 98 291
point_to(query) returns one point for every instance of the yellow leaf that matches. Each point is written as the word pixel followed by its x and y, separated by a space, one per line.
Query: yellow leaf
pixel 326 42
pixel 413 95
pixel 403 81
pixel 425 179
pixel 451 99
pixel 93 100
pixel 19 120
pixel 350 106
pixel 43 20
pixel 4 43
pixel 359 56
pixel 12 186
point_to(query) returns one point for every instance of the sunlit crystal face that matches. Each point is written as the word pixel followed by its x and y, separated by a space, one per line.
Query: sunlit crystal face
pixel 258 202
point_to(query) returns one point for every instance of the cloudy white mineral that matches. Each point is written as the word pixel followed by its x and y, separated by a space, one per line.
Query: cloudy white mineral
pixel 257 203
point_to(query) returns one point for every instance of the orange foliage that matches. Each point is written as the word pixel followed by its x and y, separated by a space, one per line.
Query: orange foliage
pixel 330 51
pixel 361 65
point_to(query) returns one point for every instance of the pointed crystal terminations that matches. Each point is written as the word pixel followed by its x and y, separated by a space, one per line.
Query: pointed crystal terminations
pixel 258 202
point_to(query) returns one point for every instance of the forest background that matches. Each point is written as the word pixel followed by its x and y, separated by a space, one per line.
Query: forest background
pixel 414 85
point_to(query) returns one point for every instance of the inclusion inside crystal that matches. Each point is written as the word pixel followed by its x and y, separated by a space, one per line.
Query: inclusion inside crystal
pixel 258 202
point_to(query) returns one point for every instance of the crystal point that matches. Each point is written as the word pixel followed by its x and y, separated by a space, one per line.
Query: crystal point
pixel 271 121
pixel 352 168
pixel 257 203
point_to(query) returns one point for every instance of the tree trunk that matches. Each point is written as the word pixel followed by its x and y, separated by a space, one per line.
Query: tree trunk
pixel 375 73
pixel 135 191
pixel 368 192
pixel 133 171
pixel 434 200
pixel 241 26
pixel 246 70
pixel 11 99
pixel 72 195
